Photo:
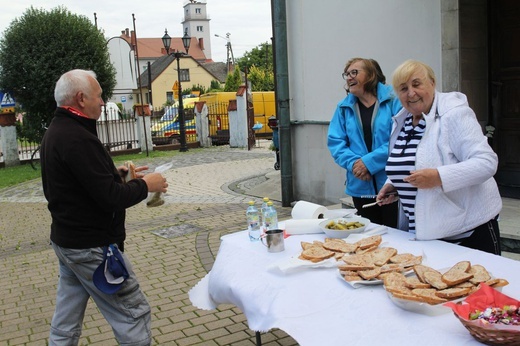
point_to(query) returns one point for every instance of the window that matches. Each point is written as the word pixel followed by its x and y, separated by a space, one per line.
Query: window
pixel 197 10
pixel 169 96
pixel 185 75
pixel 199 28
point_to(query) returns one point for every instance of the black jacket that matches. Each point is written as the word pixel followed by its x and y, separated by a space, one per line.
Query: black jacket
pixel 85 193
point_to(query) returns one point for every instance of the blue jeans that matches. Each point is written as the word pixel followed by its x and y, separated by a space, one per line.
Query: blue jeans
pixel 127 311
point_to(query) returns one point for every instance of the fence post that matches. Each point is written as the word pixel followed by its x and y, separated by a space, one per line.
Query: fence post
pixel 140 130
pixel 8 137
pixel 238 131
pixel 201 123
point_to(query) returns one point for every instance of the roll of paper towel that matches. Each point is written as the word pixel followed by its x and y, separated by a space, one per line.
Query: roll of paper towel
pixel 303 226
pixel 307 210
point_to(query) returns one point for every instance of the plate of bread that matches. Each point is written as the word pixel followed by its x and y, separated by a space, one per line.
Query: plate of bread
pixel 328 253
pixel 427 290
pixel 370 267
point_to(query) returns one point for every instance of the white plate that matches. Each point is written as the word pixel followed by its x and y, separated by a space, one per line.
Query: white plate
pixel 425 308
pixel 294 264
pixel 360 283
pixel 421 308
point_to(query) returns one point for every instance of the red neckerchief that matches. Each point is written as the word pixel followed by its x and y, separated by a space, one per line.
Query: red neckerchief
pixel 75 111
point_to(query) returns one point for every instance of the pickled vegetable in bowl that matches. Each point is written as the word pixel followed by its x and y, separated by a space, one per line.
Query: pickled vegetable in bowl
pixel 343 227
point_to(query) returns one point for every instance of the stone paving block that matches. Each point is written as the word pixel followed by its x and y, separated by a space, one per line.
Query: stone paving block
pixel 170 338
pixel 174 326
pixel 219 323
pixel 232 338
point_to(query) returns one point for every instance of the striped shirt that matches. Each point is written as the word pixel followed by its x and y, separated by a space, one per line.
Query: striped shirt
pixel 401 161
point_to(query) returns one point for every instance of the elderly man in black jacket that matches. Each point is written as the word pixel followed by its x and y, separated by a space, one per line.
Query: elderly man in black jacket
pixel 87 200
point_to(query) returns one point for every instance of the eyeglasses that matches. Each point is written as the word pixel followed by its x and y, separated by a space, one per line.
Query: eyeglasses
pixel 351 73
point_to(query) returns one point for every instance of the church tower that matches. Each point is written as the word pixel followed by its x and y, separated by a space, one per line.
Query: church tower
pixel 196 24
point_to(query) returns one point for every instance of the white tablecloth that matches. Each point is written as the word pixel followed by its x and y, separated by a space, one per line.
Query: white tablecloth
pixel 316 307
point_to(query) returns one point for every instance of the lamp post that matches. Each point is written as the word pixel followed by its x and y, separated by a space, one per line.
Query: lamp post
pixel 186 40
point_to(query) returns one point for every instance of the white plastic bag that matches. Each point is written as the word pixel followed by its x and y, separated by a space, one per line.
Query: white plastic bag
pixel 156 199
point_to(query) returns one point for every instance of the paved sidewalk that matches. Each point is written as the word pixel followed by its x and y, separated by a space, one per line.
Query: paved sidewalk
pixel 171 247
pixel 207 198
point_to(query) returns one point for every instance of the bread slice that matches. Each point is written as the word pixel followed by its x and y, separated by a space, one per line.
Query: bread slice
pixel 455 275
pixel 414 282
pixel 453 293
pixel 462 266
pixel 366 250
pixel 356 267
pixel 420 269
pixel 338 245
pixel 382 255
pixel 465 284
pixel 410 263
pixel 480 274
pixel 395 282
pixel 370 274
pixel 348 272
pixel 350 278
pixel 316 254
pixel 408 296
pixel 365 259
pixel 372 241
pixel 391 267
pixel 434 278
pixel 428 295
pixel 402 258
pixel 305 245
pixel 498 283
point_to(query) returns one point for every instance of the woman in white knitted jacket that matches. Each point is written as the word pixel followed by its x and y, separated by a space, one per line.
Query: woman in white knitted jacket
pixel 441 165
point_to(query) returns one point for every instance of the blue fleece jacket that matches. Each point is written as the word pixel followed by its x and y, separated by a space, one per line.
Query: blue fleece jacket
pixel 346 142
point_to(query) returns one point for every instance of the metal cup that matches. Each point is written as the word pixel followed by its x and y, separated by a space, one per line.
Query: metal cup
pixel 274 240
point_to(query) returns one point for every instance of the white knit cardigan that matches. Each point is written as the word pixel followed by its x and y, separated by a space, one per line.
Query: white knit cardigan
pixel 453 143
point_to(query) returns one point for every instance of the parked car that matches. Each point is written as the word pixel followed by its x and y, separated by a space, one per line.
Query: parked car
pixel 166 130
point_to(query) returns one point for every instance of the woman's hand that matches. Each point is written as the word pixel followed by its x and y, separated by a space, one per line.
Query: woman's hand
pixel 383 196
pixel 360 170
pixel 424 178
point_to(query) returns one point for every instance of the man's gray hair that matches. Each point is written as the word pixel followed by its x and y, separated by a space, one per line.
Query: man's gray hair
pixel 69 84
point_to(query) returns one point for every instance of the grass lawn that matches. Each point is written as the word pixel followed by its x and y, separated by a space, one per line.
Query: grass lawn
pixel 10 176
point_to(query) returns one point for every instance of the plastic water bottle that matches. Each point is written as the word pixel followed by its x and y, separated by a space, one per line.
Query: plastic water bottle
pixel 270 217
pixel 253 222
pixel 262 210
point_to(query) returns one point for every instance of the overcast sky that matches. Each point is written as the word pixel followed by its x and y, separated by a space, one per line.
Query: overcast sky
pixel 247 21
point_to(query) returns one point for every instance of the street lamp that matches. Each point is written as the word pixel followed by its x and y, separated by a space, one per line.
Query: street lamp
pixel 186 40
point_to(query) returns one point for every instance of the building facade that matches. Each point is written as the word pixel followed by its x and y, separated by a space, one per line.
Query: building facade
pixel 472 45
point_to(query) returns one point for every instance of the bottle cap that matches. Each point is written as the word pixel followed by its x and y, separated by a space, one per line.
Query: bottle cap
pixel 269 203
pixel 266 199
pixel 251 202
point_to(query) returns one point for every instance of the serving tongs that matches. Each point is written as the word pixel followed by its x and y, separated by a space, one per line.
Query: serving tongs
pixel 393 193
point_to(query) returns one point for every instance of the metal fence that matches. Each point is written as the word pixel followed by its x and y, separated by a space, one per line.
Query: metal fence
pixel 218 121
pixel 121 134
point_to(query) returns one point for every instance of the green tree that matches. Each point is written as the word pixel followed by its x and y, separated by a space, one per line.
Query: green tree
pixel 37 49
pixel 233 80
pixel 261 79
pixel 215 86
pixel 261 56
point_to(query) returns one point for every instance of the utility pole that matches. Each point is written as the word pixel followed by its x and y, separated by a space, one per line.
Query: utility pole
pixel 230 60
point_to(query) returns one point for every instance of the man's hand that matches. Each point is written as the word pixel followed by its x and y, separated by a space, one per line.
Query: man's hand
pixel 155 182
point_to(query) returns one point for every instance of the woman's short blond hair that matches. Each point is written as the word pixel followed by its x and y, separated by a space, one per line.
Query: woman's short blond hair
pixel 404 71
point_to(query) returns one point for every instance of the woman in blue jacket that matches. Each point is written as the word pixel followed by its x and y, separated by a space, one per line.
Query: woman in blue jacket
pixel 359 133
